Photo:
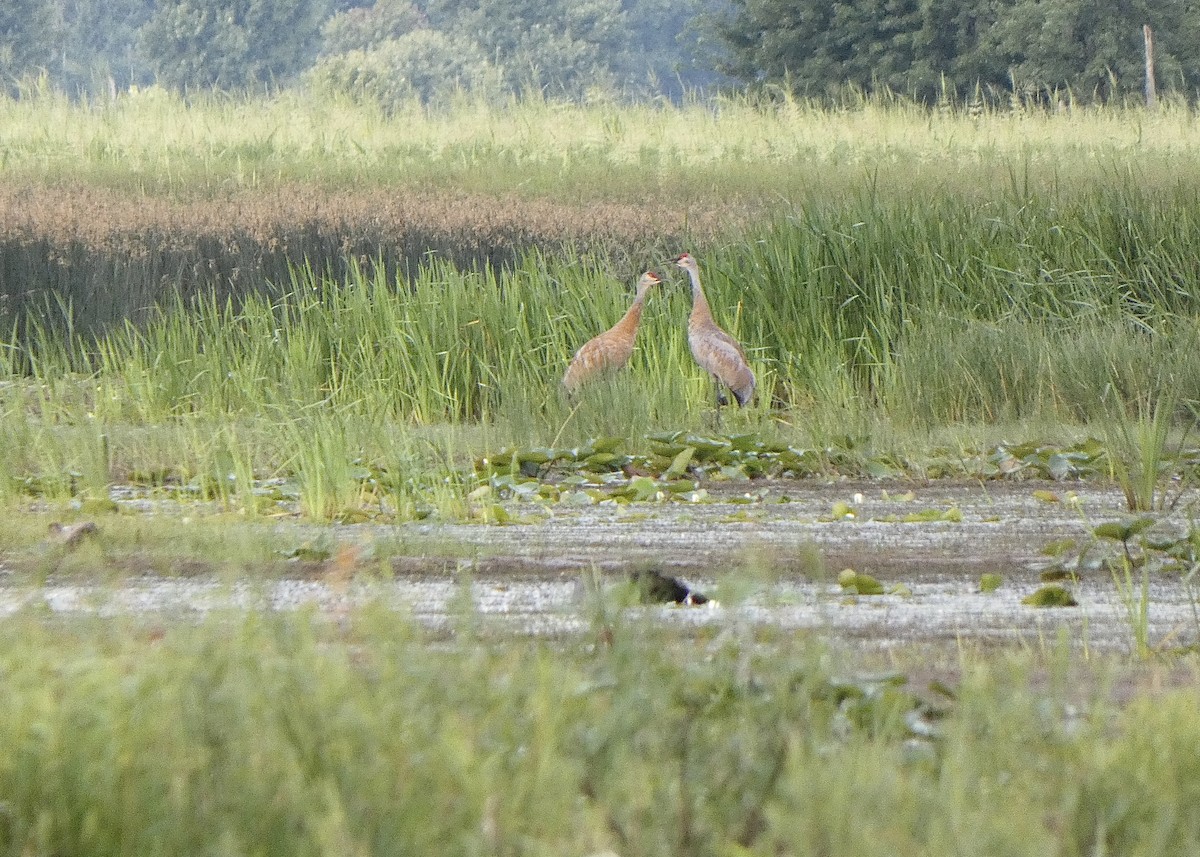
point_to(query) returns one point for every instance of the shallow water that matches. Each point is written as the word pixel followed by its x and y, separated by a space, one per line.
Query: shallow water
pixel 771 563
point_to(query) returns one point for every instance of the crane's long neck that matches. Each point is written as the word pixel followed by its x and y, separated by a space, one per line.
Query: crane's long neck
pixel 633 315
pixel 700 311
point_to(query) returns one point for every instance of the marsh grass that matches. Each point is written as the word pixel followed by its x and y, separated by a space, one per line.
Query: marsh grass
pixel 1142 448
pixel 322 383
pixel 236 301
pixel 279 733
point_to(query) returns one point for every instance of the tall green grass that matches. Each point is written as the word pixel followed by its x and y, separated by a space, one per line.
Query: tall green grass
pixel 934 309
pixel 913 312
pixel 888 270
pixel 277 734
pixel 744 148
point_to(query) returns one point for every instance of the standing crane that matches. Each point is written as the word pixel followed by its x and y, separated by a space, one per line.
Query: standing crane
pixel 716 351
pixel 612 349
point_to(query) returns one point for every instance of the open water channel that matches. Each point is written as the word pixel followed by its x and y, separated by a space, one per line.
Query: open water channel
pixel 771 557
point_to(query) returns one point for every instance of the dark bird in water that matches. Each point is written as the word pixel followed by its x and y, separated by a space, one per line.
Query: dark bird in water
pixel 611 350
pixel 718 353
pixel 654 587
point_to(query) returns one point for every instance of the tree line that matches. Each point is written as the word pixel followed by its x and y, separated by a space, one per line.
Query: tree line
pixel 1085 50
pixel 389 51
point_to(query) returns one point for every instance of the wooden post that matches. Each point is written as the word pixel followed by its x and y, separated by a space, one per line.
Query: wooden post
pixel 1151 91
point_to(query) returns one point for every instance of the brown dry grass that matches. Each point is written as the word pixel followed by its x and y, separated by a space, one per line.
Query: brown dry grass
pixel 118 252
pixel 108 219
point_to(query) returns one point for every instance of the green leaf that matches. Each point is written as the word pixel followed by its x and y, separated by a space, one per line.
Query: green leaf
pixel 1052 595
pixel 990 582
pixel 862 584
pixel 643 488
pixel 706 447
pixel 925 516
pixel 1124 529
pixel 680 463
pixel 600 460
pixel 1059 547
pixel 842 511
pixel 98 506
pixel 577 498
pixel 745 442
pixel 606 444
pixel 681 486
pixel 540 455
pixel 1060 467
pixel 878 468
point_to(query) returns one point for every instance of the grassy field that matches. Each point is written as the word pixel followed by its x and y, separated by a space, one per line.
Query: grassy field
pixel 192 288
pixel 282 734
pixel 299 311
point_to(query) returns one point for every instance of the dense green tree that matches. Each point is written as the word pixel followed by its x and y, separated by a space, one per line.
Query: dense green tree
pixel 873 41
pixel 819 47
pixel 667 49
pixel 424 64
pixel 560 46
pixel 99 44
pixel 29 31
pixel 1095 47
pixel 642 47
pixel 231 44
pixel 366 27
pixel 778 41
pixel 957 48
pixel 1091 47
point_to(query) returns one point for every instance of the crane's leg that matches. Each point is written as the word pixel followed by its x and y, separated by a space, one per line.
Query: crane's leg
pixel 722 401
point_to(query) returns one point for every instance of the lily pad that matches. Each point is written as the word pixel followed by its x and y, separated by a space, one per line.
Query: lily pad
pixel 925 516
pixel 745 442
pixel 679 463
pixel 1051 595
pixel 1124 529
pixel 643 488
pixel 862 584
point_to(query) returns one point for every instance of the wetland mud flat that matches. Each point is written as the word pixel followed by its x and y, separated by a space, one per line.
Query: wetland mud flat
pixel 771 553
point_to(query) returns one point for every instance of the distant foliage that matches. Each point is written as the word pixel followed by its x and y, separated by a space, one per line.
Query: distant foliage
pixel 1096 49
pixel 1004 51
pixel 556 45
pixel 558 48
pixel 572 48
pixel 231 44
pixel 364 28
pixel 424 65
pixel 1067 50
pixel 99 51
pixel 28 31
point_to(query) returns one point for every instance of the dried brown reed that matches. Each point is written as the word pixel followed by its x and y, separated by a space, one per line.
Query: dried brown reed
pixel 110 254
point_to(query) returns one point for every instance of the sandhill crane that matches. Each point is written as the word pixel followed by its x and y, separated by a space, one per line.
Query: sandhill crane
pixel 716 351
pixel 612 349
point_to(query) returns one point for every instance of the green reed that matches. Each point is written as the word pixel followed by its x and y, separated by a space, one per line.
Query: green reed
pixel 284 734
pixel 882 267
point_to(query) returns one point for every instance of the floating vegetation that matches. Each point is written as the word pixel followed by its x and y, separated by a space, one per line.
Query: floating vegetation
pixel 990 582
pixel 747 455
pixel 1051 595
pixel 1147 542
pixel 858 583
pixel 674 465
